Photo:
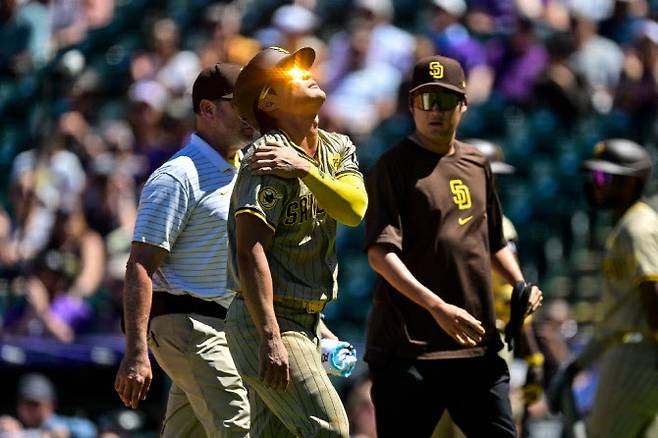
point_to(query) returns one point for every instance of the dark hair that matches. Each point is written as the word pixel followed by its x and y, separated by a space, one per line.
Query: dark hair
pixel 265 122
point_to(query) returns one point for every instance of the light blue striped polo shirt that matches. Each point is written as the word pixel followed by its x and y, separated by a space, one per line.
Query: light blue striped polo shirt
pixel 184 209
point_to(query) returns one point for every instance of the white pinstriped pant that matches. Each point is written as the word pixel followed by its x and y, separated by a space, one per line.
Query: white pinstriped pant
pixel 626 399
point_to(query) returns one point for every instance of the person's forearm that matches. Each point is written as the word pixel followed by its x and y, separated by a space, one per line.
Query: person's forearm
pixel 505 263
pixel 344 198
pixel 388 265
pixel 256 281
pixel 137 296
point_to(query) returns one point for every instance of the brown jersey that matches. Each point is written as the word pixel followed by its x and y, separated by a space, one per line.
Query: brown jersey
pixel 441 214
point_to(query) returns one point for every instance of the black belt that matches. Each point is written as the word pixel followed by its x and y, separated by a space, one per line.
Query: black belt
pixel 164 303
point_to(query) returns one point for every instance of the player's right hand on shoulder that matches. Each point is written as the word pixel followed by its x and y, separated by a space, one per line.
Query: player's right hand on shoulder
pixel 133 378
pixel 274 370
pixel 459 324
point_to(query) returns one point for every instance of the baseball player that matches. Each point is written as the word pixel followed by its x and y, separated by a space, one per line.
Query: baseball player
pixel 625 339
pixel 282 230
pixel 433 232
pixel 175 286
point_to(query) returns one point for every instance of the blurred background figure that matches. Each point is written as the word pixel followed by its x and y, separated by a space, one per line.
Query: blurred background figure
pixel 624 341
pixel 36 413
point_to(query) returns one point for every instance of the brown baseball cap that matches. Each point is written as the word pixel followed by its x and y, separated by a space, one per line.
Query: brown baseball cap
pixel 267 65
pixel 619 156
pixel 216 82
pixel 438 71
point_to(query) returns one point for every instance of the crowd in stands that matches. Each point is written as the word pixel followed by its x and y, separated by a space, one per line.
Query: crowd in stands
pixel 95 94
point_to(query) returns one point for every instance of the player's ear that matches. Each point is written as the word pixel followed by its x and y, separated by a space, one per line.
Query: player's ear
pixel 267 104
pixel 207 108
pixel 464 104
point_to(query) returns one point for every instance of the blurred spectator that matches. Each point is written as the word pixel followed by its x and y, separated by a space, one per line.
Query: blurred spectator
pixel 619 26
pixel 72 19
pixel 109 199
pixel 225 42
pixel 295 26
pixel 36 403
pixel 598 59
pixel 559 88
pixel 390 44
pixel 122 423
pixel 148 100
pixel 367 93
pixel 68 269
pixel 15 33
pixel 453 39
pixel 518 62
pixel 27 229
pixel 36 13
pixel 637 93
pixel 176 69
pixel 56 175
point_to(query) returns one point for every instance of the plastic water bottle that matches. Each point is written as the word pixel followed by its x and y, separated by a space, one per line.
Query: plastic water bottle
pixel 338 357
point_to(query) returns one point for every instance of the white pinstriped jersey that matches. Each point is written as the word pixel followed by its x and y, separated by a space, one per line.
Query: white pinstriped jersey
pixel 184 209
pixel 302 257
pixel 631 258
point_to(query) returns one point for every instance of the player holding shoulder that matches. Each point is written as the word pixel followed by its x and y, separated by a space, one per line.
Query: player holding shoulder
pixel 433 232
pixel 175 286
pixel 282 231
pixel 626 337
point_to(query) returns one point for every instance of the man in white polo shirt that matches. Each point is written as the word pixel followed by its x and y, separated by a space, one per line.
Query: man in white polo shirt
pixel 175 286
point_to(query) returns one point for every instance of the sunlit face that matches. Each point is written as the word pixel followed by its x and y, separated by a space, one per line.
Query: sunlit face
pixel 293 91
pixel 437 112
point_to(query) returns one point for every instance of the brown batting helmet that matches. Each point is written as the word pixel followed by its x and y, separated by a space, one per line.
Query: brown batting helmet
pixel 269 64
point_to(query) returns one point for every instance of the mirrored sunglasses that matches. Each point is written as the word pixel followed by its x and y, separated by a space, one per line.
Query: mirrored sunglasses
pixel 443 100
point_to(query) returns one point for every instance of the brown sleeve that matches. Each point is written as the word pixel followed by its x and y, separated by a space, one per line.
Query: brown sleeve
pixel 494 214
pixel 383 221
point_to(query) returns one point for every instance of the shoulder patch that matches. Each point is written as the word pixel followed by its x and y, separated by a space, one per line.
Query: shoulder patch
pixel 335 160
pixel 268 196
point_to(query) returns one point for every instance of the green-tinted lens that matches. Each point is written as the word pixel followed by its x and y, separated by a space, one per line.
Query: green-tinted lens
pixel 444 101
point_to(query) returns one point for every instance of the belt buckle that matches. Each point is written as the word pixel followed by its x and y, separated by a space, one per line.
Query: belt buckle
pixel 314 307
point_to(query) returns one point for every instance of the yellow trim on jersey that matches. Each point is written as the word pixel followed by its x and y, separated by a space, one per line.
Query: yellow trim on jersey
pixel 256 213
pixel 348 172
pixel 647 278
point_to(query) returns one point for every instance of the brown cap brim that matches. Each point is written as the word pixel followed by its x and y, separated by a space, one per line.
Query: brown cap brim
pixel 303 57
pixel 438 85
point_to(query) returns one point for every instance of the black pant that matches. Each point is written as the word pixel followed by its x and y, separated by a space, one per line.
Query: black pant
pixel 411 396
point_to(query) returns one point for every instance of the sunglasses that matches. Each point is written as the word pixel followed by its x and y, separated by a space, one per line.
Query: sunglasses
pixel 285 76
pixel 600 178
pixel 444 101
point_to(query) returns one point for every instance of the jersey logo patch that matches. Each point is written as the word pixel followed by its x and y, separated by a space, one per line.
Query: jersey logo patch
pixel 436 69
pixel 335 161
pixel 268 197
pixel 462 194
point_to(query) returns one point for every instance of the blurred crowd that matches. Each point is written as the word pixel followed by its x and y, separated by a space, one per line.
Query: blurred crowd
pixel 95 94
